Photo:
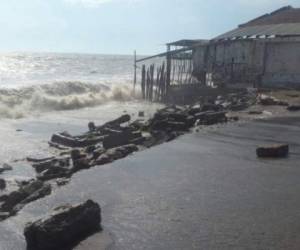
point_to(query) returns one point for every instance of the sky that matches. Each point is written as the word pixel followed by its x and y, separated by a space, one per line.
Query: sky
pixel 120 26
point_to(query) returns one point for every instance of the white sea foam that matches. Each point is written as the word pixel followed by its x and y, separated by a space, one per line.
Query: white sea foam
pixel 19 102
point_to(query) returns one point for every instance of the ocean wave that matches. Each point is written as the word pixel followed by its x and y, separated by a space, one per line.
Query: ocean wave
pixel 19 102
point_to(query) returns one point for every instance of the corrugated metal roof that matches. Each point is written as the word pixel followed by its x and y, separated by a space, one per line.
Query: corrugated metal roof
pixel 187 42
pixel 285 29
pixel 286 14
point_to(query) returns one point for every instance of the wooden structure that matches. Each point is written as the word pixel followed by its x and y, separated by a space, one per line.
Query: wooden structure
pixel 172 68
pixel 263 52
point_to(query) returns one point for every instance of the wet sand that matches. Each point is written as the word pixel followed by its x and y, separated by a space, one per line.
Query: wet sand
pixel 205 190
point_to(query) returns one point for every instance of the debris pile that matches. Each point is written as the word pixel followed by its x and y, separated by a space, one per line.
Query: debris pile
pixel 115 140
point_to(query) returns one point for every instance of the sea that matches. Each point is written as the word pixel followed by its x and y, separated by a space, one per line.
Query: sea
pixel 46 93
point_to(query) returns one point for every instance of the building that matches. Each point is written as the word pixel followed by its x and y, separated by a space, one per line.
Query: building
pixel 262 52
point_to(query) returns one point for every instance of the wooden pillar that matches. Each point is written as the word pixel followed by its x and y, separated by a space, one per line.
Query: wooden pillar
pixel 143 81
pixel 135 66
pixel 168 76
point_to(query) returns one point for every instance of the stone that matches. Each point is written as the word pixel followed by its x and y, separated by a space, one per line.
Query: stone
pixel 64 228
pixel 115 123
pixel 92 126
pixel 53 173
pixel 120 139
pixel 4 215
pixel 194 109
pixel 76 154
pixel 211 118
pixel 255 112
pixel 38 159
pixel 121 152
pixel 80 164
pixel 270 101
pixel 210 107
pixel 293 108
pixel 56 162
pixel 38 194
pixel 2 184
pixel 75 142
pixel 62 181
pixel 3 197
pixel 5 167
pixel 102 159
pixel 273 151
pixel 141 114
pixel 16 197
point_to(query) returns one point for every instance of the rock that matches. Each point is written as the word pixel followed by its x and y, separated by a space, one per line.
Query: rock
pixel 172 136
pixel 12 200
pixel 120 139
pixel 255 112
pixel 102 159
pixel 195 109
pixel 57 146
pixel 239 107
pixel 62 181
pixel 5 167
pixel 115 123
pixel 211 118
pixel 38 159
pixel 64 228
pixel 233 118
pixel 210 107
pixel 293 108
pixel 54 172
pixel 80 164
pixel 90 149
pixel 275 151
pixel 270 101
pixel 91 126
pixel 292 95
pixel 138 141
pixel 141 114
pixel 74 142
pixel 2 184
pixel 121 152
pixel 40 193
pixel 56 162
pixel 4 215
pixel 168 125
pixel 98 152
pixel 3 197
pixel 16 197
pixel 76 154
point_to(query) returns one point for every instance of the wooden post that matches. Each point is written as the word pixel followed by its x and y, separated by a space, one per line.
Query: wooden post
pixel 143 82
pixel 168 77
pixel 135 66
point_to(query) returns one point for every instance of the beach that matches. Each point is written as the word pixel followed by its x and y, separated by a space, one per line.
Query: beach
pixel 205 190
